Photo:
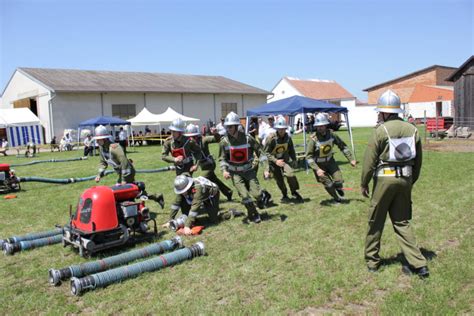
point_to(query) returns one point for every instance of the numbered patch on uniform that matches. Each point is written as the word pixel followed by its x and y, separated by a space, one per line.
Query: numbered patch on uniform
pixel 178 152
pixel 239 155
pixel 325 150
pixel 280 149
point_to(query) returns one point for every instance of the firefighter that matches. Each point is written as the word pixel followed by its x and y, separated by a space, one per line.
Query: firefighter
pixel 180 150
pixel 319 156
pixel 238 160
pixel 112 154
pixel 198 195
pixel 281 154
pixel 393 157
pixel 207 163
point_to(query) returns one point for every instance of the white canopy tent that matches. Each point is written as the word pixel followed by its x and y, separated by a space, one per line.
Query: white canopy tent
pixel 22 126
pixel 145 117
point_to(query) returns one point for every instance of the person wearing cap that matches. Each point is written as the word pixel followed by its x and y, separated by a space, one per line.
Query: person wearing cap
pixel 281 155
pixel 319 156
pixel 238 160
pixel 393 158
pixel 207 163
pixel 180 150
pixel 111 154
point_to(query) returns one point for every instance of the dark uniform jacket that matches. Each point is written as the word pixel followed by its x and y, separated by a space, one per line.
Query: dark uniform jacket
pixel 320 148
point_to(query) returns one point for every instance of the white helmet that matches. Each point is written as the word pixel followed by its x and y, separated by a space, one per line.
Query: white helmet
pixel 101 132
pixel 182 184
pixel 320 120
pixel 232 119
pixel 192 130
pixel 389 102
pixel 280 123
pixel 178 125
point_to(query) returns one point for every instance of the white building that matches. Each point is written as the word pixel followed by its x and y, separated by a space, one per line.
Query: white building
pixel 63 98
pixel 326 90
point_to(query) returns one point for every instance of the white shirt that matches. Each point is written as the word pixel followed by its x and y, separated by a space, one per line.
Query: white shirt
pixel 5 144
pixel 87 142
pixel 123 135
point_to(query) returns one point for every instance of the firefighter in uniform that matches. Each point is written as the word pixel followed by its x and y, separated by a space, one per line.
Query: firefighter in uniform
pixel 238 160
pixel 319 156
pixel 111 154
pixel 393 158
pixel 180 151
pixel 199 195
pixel 281 154
pixel 208 164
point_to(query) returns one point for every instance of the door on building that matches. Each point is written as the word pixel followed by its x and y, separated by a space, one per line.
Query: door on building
pixel 439 109
pixel 29 103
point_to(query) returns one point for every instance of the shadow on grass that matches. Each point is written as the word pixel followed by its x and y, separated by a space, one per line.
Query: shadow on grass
pixel 400 258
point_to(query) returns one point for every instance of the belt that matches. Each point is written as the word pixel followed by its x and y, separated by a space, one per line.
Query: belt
pixel 245 167
pixel 395 171
pixel 323 159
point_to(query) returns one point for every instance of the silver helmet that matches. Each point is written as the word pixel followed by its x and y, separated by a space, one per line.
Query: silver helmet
pixel 182 184
pixel 192 130
pixel 321 119
pixel 178 125
pixel 280 123
pixel 101 133
pixel 389 102
pixel 232 119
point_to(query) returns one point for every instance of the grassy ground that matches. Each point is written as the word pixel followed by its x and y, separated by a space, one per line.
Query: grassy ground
pixel 305 259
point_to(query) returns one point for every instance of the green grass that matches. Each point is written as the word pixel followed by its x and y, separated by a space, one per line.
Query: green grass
pixel 311 262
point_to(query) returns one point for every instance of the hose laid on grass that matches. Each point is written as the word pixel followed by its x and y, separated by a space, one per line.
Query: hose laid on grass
pixel 74 180
pixel 31 236
pixel 80 270
pixel 10 249
pixel 34 162
pixel 102 279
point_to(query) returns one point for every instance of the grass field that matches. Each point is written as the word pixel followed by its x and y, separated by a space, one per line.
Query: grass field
pixel 306 259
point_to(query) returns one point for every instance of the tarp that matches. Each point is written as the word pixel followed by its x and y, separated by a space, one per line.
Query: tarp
pixel 300 105
pixel 145 117
pixel 22 126
pixel 296 105
pixel 104 120
pixel 170 115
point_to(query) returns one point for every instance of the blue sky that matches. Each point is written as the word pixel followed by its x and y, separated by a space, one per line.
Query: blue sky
pixel 356 43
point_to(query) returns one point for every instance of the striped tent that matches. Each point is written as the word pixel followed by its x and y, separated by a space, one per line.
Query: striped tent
pixel 22 126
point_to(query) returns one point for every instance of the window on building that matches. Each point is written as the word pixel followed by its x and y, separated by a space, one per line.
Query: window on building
pixel 124 111
pixel 226 108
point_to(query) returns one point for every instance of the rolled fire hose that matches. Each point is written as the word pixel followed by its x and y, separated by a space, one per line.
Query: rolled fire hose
pixel 31 236
pixel 74 180
pixel 10 249
pixel 80 270
pixel 102 279
pixel 34 162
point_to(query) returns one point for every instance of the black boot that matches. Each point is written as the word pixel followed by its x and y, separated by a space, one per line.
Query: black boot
pixel 297 196
pixel 158 199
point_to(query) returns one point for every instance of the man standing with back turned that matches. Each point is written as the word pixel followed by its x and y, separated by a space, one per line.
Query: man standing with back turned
pixel 393 157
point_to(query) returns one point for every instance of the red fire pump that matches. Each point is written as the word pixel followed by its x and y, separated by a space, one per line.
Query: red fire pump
pixel 107 217
pixel 9 182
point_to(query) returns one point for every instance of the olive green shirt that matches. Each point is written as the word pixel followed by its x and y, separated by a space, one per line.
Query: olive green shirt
pixel 202 193
pixel 255 151
pixel 377 151
pixel 112 154
pixel 191 149
pixel 315 147
pixel 207 162
pixel 279 148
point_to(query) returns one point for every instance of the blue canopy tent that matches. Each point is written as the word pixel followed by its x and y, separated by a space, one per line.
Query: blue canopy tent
pixel 300 105
pixel 101 120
